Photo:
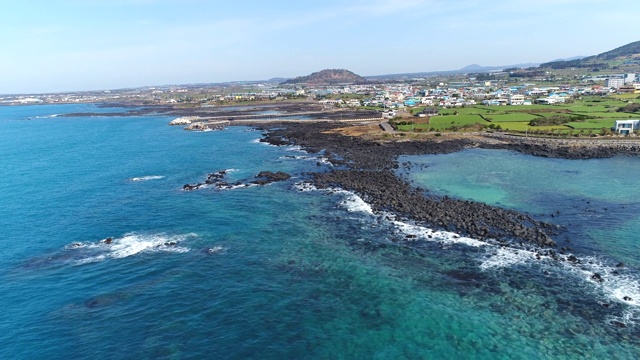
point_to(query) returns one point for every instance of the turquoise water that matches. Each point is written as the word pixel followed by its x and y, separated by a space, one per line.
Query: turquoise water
pixel 283 271
pixel 598 200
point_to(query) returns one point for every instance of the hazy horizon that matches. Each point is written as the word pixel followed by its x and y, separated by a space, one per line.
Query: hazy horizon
pixel 97 44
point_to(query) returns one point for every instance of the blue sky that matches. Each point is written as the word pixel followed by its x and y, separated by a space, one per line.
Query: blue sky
pixel 64 45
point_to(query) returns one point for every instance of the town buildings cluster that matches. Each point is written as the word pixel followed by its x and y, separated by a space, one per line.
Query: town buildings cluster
pixel 448 92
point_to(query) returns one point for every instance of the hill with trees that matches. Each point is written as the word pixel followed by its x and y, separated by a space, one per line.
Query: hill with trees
pixel 328 77
pixel 631 50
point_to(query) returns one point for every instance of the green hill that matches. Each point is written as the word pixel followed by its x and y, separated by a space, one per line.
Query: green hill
pixel 329 77
pixel 598 61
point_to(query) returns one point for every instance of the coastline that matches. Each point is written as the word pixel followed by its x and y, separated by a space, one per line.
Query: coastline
pixel 368 160
pixel 366 167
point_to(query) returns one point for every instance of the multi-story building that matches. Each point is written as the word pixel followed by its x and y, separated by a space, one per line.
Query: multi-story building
pixel 614 82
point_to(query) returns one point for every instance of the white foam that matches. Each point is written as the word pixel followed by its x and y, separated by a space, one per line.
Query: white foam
pixel 319 159
pixel 505 256
pixel 146 178
pixel 447 237
pixel 233 186
pixel 496 256
pixel 216 250
pixel 258 141
pixel 305 186
pixel 354 203
pixel 129 245
pixel 296 148
pixel 629 317
pixel 45 116
pixel 616 285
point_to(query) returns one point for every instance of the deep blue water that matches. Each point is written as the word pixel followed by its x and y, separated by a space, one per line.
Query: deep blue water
pixel 273 272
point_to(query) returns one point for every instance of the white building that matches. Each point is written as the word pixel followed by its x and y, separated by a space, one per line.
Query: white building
pixel 614 82
pixel 627 127
pixel 629 78
pixel 353 103
pixel 516 99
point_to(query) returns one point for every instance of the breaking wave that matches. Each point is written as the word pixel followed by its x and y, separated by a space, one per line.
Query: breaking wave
pixel 354 203
pixel 318 159
pixel 128 245
pixel 146 178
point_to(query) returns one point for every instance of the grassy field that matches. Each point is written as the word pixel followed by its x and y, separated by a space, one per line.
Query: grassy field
pixel 588 114
pixel 611 115
pixel 471 110
pixel 590 124
pixel 512 117
pixel 524 127
pixel 446 122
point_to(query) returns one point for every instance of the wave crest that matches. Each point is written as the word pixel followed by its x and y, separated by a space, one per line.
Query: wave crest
pixel 128 245
pixel 146 178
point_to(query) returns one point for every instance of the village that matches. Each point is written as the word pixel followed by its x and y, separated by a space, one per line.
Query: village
pixel 548 105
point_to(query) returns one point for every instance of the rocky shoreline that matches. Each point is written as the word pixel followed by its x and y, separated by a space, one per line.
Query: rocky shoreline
pixel 574 149
pixel 217 180
pixel 230 111
pixel 368 167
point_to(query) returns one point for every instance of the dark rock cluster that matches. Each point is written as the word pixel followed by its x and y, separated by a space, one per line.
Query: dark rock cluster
pixel 550 149
pixel 383 190
pixel 217 180
pixel 266 177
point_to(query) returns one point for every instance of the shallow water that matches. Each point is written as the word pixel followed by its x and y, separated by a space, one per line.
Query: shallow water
pixel 284 270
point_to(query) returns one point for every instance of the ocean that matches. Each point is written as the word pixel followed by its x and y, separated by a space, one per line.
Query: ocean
pixel 104 256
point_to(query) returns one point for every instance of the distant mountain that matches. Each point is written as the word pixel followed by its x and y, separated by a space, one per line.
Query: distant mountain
pixel 569 58
pixel 328 77
pixel 277 80
pixel 473 67
pixel 469 69
pixel 626 50
pixel 597 61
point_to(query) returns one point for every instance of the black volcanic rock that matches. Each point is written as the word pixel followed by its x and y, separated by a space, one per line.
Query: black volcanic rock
pixel 370 173
pixel 266 177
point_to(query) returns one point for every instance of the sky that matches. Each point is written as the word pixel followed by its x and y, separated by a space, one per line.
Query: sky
pixel 74 45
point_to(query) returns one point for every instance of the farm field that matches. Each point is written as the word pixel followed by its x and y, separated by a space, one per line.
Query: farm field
pixel 588 114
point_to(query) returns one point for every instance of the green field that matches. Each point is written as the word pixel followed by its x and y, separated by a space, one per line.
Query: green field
pixel 591 124
pixel 610 115
pixel 524 127
pixel 588 114
pixel 512 117
pixel 440 123
pixel 470 110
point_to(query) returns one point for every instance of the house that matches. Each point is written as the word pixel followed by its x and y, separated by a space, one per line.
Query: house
pixel 353 103
pixel 626 127
pixel 331 102
pixel 495 102
pixel 388 114
pixel 516 99
pixel 545 101
pixel 430 111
